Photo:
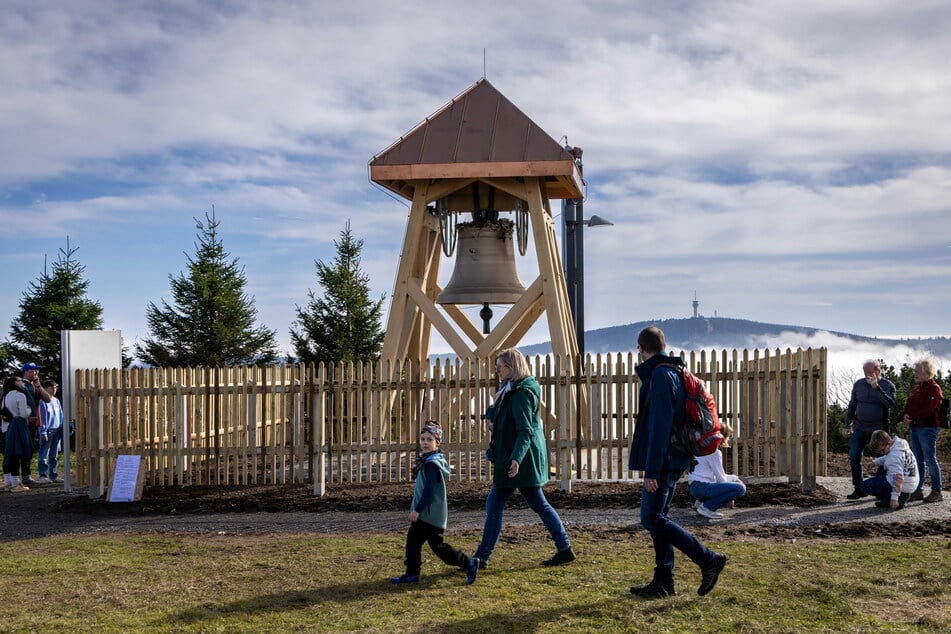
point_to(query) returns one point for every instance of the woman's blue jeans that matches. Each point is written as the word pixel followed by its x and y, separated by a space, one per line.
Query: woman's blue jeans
pixel 715 495
pixel 535 498
pixel 924 444
pixel 666 533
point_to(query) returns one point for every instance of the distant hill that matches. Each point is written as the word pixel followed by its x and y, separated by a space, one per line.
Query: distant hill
pixel 703 333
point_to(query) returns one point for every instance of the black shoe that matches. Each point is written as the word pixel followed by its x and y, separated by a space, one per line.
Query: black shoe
pixel 472 571
pixel 561 557
pixel 654 590
pixel 711 572
pixel 883 504
pixel 856 494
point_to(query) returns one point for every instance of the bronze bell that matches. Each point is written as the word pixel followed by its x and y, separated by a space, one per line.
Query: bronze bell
pixel 485 270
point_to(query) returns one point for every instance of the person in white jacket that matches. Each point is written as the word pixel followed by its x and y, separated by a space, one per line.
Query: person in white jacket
pixel 18 448
pixel 901 471
pixel 713 487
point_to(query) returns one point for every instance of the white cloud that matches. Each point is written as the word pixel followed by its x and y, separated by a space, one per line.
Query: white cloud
pixel 788 161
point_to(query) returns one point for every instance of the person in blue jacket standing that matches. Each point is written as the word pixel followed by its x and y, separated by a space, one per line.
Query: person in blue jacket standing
pixel 661 405
pixel 51 434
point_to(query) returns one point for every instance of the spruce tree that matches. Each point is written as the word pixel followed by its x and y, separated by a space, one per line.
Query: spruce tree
pixel 211 320
pixel 56 301
pixel 343 324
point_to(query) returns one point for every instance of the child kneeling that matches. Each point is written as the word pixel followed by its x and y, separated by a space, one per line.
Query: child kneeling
pixel 430 510
pixel 713 487
pixel 901 471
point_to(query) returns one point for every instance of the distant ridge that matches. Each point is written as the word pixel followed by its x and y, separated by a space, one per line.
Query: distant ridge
pixel 702 333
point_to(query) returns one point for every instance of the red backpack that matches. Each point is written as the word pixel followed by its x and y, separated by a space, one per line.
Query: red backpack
pixel 699 434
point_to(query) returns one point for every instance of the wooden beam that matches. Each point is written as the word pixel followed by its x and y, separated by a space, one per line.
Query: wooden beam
pixel 438 321
pixel 511 320
pixel 399 324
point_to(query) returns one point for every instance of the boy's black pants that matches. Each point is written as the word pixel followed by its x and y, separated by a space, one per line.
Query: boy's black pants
pixel 419 533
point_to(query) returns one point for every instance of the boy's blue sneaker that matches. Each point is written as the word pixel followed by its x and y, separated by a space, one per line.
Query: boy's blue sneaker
pixel 405 579
pixel 472 571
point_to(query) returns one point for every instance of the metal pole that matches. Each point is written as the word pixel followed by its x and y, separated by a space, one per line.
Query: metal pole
pixel 572 214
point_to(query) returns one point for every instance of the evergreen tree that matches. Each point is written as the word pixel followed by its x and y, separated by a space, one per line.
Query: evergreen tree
pixel 343 324
pixel 55 302
pixel 211 322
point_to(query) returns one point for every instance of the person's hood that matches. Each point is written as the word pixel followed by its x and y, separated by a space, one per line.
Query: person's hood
pixel 439 459
pixel 645 369
pixel 529 383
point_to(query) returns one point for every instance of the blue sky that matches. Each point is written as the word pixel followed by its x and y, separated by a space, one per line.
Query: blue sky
pixel 788 161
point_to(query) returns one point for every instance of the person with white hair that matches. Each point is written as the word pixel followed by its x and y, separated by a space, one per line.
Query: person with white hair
pixel 921 416
pixel 871 400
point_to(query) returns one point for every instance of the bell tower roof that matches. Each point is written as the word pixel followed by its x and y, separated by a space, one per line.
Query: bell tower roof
pixel 479 134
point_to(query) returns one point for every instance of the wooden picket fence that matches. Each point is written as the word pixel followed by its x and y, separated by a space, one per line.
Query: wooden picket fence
pixel 352 423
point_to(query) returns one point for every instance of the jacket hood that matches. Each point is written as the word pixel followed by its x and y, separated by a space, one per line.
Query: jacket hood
pixel 529 383
pixel 645 369
pixel 439 459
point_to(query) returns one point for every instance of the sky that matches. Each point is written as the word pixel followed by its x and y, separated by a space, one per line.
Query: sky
pixel 788 162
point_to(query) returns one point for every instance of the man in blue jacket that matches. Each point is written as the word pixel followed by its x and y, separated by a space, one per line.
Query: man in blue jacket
pixel 661 405
pixel 867 411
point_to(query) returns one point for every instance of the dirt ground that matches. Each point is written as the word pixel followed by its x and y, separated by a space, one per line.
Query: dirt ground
pixel 38 508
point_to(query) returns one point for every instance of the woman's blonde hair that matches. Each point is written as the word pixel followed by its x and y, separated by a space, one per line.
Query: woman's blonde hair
pixel 515 360
pixel 928 365
pixel 727 430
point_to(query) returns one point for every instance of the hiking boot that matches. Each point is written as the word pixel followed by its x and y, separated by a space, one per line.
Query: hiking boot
pixel 883 504
pixel 916 496
pixel 561 557
pixel 483 564
pixel 654 590
pixel 856 494
pixel 934 496
pixel 711 572
pixel 405 579
pixel 472 571
pixel 713 515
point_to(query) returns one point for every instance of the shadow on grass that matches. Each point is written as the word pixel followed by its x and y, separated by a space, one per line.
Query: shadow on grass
pixel 526 620
pixel 295 600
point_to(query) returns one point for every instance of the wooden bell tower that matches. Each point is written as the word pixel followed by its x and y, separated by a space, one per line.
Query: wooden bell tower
pixel 478 154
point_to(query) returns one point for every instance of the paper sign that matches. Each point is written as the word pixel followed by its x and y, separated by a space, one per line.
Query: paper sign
pixel 127 479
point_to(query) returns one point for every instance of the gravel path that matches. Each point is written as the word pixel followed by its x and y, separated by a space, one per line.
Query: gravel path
pixel 33 515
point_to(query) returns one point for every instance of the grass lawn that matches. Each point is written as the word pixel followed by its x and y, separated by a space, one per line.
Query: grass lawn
pixel 295 583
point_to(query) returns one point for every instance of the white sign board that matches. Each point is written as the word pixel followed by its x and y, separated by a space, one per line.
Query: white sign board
pixel 127 479
pixel 85 350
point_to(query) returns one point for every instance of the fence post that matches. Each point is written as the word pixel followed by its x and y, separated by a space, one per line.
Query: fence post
pixel 318 430
pixel 181 433
pixel 96 460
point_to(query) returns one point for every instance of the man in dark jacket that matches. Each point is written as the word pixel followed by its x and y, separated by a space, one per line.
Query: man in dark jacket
pixel 661 405
pixel 872 397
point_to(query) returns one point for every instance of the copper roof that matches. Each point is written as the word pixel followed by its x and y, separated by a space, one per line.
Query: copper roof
pixel 479 134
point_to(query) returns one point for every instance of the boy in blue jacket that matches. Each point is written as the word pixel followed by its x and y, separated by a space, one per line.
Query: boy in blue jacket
pixel 430 510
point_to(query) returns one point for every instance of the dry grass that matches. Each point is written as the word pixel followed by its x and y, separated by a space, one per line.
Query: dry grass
pixel 126 583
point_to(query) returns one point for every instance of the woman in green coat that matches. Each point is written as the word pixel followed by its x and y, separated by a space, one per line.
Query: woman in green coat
pixel 519 456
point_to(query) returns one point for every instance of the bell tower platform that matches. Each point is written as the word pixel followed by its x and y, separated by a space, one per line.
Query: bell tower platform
pixel 480 154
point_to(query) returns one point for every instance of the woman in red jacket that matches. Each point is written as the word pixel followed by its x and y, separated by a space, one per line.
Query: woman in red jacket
pixel 921 416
